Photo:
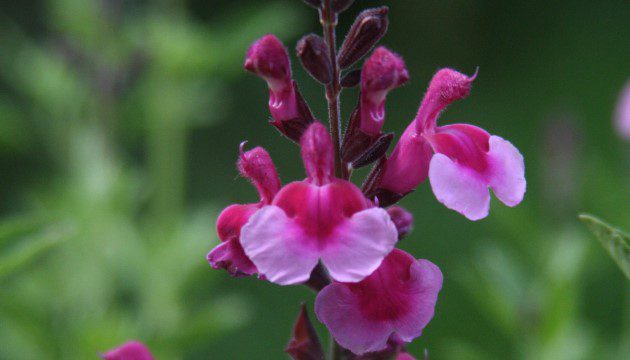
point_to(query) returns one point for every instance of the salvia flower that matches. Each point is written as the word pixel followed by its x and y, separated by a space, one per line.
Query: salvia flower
pixel 321 217
pixel 622 113
pixel 268 58
pixel 462 161
pixel 257 166
pixel 397 300
pixel 382 72
pixel 326 233
pixel 363 142
pixel 131 350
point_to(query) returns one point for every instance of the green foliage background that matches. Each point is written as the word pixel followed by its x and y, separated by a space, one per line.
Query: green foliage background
pixel 119 127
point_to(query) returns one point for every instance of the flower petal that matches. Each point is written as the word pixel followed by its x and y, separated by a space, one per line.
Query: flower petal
pixel 395 302
pixel 230 256
pixel 338 308
pixel 232 219
pixel 278 247
pixel 506 172
pixel 358 245
pixel 459 188
pixel 426 282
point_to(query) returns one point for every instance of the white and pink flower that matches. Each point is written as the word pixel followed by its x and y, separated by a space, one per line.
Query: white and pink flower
pixel 319 218
pixel 462 161
pixel 257 166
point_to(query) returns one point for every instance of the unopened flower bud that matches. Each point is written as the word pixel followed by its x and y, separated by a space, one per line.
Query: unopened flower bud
pixel 339 6
pixel 402 219
pixel 368 28
pixel 382 72
pixel 304 343
pixel 314 3
pixel 268 58
pixel 315 57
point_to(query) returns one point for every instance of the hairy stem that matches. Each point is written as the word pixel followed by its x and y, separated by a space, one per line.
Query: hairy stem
pixel 328 18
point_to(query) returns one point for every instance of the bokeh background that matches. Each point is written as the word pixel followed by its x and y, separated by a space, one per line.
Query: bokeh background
pixel 119 127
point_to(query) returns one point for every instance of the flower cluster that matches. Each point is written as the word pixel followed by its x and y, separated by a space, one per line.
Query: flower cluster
pixel 339 239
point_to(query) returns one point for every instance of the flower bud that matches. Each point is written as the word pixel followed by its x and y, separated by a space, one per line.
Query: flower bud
pixel 340 6
pixel 304 344
pixel 402 219
pixel 382 72
pixel 268 59
pixel 368 28
pixel 315 57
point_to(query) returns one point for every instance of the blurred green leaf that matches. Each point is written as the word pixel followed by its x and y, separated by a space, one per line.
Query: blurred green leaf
pixel 614 241
pixel 29 249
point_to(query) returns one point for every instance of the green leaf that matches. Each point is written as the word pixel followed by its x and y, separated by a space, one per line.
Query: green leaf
pixel 31 248
pixel 614 241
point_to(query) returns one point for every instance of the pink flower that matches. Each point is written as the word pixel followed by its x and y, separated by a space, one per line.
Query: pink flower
pixel 257 166
pixel 321 217
pixel 382 72
pixel 131 350
pixel 396 301
pixel 462 161
pixel 622 113
pixel 268 59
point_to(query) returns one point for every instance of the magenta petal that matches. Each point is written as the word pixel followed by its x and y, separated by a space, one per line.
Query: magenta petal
pixel 230 256
pixel 131 350
pixel 398 300
pixel 408 164
pixel 426 282
pixel 459 188
pixel 339 309
pixel 278 247
pixel 358 246
pixel 506 172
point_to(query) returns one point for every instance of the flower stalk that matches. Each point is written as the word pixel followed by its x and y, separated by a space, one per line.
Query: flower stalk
pixel 328 19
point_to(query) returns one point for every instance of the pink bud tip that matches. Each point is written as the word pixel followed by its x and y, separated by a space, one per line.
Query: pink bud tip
pixel 446 87
pixel 131 350
pixel 268 58
pixel 257 166
pixel 317 153
pixel 381 73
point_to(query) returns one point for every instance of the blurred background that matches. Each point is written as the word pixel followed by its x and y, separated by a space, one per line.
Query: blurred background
pixel 119 127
